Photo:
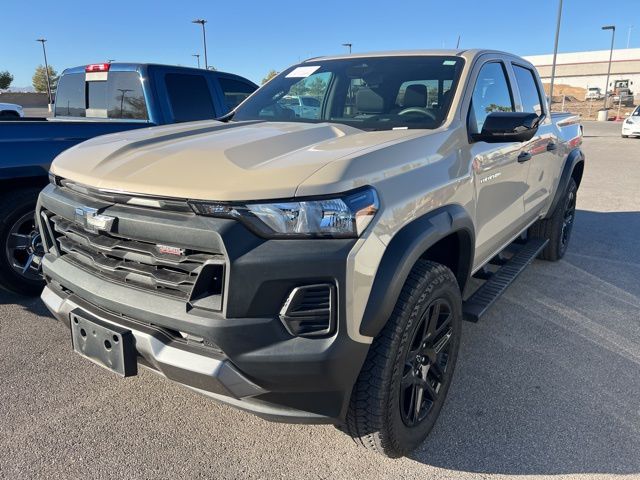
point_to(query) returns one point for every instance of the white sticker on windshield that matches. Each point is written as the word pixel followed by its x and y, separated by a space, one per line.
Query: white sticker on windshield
pixel 302 72
pixel 449 62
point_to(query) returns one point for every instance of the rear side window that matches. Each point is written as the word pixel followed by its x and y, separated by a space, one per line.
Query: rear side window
pixel 119 97
pixel 70 99
pixel 189 97
pixel 235 91
pixel 529 93
pixel 491 94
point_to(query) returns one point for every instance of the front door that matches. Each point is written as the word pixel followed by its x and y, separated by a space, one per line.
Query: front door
pixel 500 176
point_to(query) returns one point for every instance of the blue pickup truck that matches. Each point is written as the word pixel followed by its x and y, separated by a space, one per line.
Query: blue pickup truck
pixel 93 100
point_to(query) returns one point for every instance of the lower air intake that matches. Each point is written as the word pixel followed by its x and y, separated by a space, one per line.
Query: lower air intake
pixel 309 311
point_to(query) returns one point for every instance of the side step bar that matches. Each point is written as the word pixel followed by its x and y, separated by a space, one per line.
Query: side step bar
pixel 478 303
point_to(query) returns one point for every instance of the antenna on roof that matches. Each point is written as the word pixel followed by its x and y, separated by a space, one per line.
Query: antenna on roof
pixel 458 43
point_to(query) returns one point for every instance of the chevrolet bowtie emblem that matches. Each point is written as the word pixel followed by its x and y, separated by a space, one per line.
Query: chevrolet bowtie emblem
pixel 93 221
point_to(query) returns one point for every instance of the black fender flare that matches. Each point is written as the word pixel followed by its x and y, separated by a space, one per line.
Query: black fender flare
pixel 404 250
pixel 575 158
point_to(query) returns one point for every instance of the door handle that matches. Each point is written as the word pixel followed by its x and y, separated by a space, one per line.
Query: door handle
pixel 524 157
pixel 552 146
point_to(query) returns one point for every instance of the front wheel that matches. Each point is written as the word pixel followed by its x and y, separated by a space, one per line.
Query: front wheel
pixel 20 243
pixel 404 381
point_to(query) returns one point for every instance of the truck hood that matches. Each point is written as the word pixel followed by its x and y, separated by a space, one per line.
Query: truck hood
pixel 211 160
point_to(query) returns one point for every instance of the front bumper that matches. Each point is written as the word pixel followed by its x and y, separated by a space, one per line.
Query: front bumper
pixel 633 129
pixel 247 357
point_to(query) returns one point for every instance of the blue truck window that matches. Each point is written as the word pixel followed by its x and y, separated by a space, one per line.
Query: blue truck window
pixel 235 91
pixel 189 97
pixel 125 98
pixel 119 97
pixel 70 99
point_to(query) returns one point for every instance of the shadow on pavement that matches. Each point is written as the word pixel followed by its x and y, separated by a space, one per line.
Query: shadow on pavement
pixel 549 381
pixel 31 304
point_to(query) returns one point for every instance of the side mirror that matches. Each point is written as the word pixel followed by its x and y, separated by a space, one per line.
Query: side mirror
pixel 508 127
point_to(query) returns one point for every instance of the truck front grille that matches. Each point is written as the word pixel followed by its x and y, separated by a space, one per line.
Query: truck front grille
pixel 133 262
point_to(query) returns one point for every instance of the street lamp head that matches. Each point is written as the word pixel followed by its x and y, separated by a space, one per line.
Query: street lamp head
pixel 42 40
pixel 609 27
pixel 201 21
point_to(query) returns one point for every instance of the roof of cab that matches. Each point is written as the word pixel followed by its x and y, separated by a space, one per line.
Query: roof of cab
pixel 467 54
pixel 132 67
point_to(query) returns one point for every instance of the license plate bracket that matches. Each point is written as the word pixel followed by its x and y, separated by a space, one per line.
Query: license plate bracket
pixel 107 345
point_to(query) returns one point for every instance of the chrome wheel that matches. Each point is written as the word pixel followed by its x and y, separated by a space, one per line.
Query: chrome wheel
pixel 24 246
pixel 426 366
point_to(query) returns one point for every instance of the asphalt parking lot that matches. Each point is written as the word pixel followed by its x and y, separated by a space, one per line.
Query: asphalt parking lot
pixel 547 384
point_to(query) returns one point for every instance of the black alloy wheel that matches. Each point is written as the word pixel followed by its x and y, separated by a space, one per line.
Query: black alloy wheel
pixel 426 363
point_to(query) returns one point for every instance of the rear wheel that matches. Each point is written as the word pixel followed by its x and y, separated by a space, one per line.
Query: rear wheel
pixel 404 381
pixel 20 243
pixel 557 229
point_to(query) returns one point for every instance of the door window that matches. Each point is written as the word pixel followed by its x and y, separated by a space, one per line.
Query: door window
pixel 491 94
pixel 529 93
pixel 235 91
pixel 189 97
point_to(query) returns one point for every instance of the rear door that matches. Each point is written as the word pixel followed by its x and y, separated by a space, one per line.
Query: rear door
pixel 545 162
pixel 500 179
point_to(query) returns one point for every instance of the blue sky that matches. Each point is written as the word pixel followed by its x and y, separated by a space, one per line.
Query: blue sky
pixel 252 37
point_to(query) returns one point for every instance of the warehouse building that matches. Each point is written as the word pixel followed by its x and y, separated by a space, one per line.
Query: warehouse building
pixel 589 69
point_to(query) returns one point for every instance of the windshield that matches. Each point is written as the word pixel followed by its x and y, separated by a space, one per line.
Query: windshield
pixel 374 93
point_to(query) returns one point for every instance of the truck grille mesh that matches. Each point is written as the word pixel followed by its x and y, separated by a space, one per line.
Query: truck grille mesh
pixel 128 261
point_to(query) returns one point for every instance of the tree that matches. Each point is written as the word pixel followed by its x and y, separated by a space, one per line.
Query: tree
pixel 317 87
pixel 40 79
pixel 270 75
pixel 5 80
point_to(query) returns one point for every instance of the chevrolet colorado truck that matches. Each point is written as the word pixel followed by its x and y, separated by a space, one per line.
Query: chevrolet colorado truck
pixel 315 269
pixel 92 100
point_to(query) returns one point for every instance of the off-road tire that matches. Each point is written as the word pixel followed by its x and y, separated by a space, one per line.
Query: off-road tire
pixel 14 205
pixel 374 418
pixel 552 228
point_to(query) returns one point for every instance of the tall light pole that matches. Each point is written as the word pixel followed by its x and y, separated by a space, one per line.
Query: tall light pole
pixel 606 86
pixel 202 21
pixel 555 54
pixel 123 91
pixel 348 45
pixel 197 55
pixel 629 35
pixel 46 67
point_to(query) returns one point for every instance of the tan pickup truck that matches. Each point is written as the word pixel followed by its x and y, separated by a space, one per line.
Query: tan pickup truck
pixel 315 268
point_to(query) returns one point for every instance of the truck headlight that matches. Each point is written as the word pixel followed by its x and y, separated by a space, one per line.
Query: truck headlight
pixel 342 216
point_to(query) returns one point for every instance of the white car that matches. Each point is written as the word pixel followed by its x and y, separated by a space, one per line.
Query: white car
pixel 10 110
pixel 631 126
pixel 594 93
pixel 304 106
